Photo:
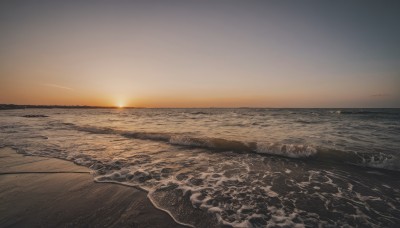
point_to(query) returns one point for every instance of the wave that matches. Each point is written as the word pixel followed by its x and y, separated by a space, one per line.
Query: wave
pixel 306 121
pixel 296 151
pixel 287 150
pixel 198 113
pixel 365 112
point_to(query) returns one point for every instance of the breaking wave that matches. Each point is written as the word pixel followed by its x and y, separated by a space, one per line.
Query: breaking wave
pixel 297 151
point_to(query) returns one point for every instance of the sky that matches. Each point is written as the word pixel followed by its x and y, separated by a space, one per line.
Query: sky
pixel 220 53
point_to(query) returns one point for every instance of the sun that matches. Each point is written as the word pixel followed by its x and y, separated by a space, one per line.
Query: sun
pixel 120 105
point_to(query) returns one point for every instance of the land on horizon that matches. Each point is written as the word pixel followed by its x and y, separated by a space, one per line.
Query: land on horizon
pixel 15 106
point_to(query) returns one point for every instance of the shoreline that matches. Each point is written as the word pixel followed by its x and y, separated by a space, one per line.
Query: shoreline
pixel 37 191
pixel 149 198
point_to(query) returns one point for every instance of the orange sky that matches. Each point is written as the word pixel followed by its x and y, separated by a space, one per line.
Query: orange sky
pixel 198 54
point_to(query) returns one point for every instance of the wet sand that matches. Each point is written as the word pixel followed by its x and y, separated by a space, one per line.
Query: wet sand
pixel 47 192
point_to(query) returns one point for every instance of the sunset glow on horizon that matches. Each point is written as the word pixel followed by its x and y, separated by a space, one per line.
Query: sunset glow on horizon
pixel 200 53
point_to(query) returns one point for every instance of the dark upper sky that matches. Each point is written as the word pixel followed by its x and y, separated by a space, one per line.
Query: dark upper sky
pixel 201 53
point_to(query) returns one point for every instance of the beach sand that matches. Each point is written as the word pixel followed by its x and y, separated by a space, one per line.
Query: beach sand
pixel 67 196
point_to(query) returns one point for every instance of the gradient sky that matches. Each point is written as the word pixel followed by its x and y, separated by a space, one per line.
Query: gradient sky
pixel 201 53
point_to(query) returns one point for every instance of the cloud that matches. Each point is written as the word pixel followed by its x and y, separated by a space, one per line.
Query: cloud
pixel 57 86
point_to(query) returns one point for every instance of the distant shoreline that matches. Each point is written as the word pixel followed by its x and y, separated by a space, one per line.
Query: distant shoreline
pixel 14 106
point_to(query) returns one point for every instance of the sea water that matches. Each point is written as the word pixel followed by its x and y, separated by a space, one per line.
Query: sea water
pixel 232 167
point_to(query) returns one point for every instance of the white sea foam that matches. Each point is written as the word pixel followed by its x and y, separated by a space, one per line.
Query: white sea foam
pixel 287 150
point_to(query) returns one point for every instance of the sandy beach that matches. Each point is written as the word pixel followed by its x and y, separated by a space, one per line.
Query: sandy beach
pixel 46 192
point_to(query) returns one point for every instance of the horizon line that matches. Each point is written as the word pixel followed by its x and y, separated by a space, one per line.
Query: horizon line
pixel 2 106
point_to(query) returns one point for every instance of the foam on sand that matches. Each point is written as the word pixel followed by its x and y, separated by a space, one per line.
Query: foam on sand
pixel 65 197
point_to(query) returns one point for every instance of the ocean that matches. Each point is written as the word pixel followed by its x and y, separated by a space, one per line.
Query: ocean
pixel 242 167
